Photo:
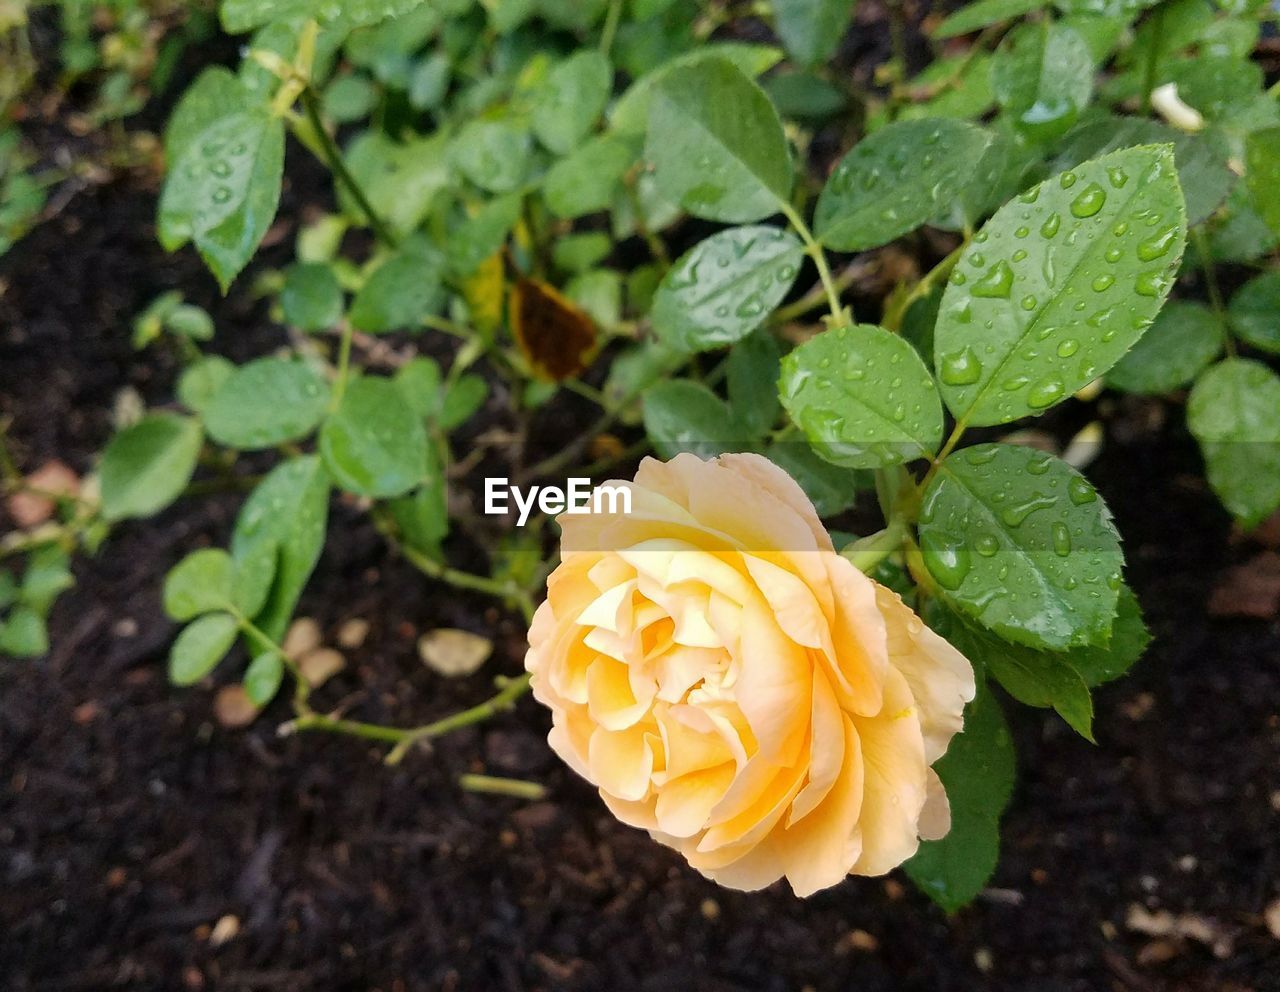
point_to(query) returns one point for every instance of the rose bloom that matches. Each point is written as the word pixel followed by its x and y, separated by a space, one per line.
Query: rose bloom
pixel 738 689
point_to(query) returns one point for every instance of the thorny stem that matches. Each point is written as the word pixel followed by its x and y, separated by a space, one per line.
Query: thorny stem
pixel 333 159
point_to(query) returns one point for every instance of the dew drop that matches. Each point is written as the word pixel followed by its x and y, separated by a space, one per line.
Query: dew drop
pixel 1028 302
pixel 946 557
pixel 1045 393
pixel 1155 247
pixel 1061 539
pixel 960 368
pixel 1091 199
pixel 1068 180
pixel 1051 224
pixel 1150 283
pixel 1017 514
pixel 1068 347
pixel 1080 492
pixel 1117 176
pixel 1103 282
pixel 987 545
pixel 997 284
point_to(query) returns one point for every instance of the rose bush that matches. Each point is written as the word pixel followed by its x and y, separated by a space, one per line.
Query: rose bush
pixel 738 689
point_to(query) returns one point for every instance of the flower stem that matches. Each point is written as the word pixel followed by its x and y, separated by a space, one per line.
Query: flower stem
pixel 815 252
pixel 334 160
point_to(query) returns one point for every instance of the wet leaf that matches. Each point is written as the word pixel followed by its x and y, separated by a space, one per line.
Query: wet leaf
pixel 223 189
pixel 895 179
pixel 863 397
pixel 492 154
pixel 146 466
pixel 1234 412
pixel 374 444
pixel 1058 285
pixel 724 287
pixel 1184 339
pixel 557 337
pixel 262 679
pixel 754 365
pixel 400 292
pixel 239 16
pixel 267 402
pixel 716 144
pixel 1020 542
pixel 279 533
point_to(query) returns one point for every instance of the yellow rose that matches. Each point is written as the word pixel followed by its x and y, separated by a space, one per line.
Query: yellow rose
pixel 738 689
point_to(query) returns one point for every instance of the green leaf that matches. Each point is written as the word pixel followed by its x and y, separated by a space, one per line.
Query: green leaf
pixel 482 235
pixel 975 16
pixel 1184 339
pixel 23 633
pixel 687 416
pixel 571 99
pixel 401 291
pixel 1098 664
pixel 895 179
pixel 47 575
pixel 1043 77
pixel 832 488
pixel 146 466
pixel 1254 312
pixel 1022 543
pixel 754 365
pixel 977 772
pixel 812 30
pixel 350 98
pixel 1234 412
pixel 1041 679
pixel 284 519
pixel 716 144
pixel 492 154
pixel 587 180
pixel 311 297
pixel 374 444
pixel 263 677
pixel 723 288
pixel 833 386
pixel 422 517
pixel 200 583
pixel 1058 285
pixel 201 381
pixel 461 401
pixel 1262 173
pixel 401 179
pixel 267 402
pixel 223 190
pixel 419 381
pixel 239 16
pixel 202 644
pixel 215 94
pixel 582 251
pixel 630 114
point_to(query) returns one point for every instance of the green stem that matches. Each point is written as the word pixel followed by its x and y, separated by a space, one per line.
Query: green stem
pixel 344 364
pixel 1153 58
pixel 893 318
pixel 334 160
pixel 814 251
pixel 514 787
pixel 503 700
pixel 610 29
pixel 815 297
pixel 868 552
pixel 507 591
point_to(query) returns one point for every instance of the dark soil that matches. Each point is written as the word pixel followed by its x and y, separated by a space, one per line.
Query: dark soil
pixel 131 823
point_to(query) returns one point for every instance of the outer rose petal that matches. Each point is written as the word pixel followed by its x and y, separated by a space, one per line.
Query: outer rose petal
pixel 739 690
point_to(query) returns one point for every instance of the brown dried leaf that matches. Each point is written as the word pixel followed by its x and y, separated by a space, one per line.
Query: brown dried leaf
pixel 233 708
pixel 454 653
pixel 555 335
pixel 31 508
